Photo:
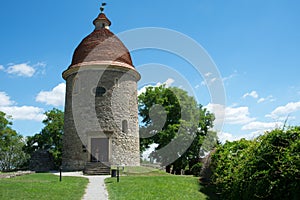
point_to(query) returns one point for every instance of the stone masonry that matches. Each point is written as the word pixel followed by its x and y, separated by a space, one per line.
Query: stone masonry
pixel 101 108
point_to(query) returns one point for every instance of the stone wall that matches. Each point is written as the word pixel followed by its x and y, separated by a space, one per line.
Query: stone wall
pixel 87 116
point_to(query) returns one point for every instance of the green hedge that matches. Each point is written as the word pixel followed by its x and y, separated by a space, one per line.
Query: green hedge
pixel 265 168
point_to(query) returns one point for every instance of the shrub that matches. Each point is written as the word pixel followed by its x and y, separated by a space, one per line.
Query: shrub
pixel 196 169
pixel 265 168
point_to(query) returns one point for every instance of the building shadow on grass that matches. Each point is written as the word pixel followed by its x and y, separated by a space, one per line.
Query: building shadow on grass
pixel 210 191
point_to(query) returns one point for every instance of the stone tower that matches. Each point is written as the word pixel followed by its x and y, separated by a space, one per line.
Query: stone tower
pixel 101 115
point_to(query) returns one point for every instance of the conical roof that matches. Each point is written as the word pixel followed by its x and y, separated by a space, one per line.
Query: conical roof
pixel 101 45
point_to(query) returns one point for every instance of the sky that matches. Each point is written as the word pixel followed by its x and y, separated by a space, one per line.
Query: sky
pixel 255 46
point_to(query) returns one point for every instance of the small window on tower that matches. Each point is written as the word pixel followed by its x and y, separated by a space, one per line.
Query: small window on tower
pixel 124 126
pixel 84 149
pixel 117 82
pixel 76 86
pixel 99 91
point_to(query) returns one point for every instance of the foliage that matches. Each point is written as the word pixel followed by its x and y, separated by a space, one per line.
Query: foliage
pixel 11 155
pixel 154 187
pixel 196 169
pixel 50 137
pixel 265 168
pixel 43 187
pixel 171 117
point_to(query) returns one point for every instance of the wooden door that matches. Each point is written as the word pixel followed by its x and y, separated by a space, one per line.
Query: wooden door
pixel 100 149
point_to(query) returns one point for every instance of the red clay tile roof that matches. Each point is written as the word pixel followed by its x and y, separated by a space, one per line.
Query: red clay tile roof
pixel 101 45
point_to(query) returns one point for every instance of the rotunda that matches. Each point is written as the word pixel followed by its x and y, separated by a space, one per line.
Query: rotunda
pixel 101 114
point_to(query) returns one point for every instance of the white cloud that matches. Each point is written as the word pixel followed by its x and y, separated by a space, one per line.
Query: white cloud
pixel 21 70
pixel 5 100
pixel 255 95
pixel 230 77
pixel 24 69
pixel 208 74
pixel 148 151
pixel 232 115
pixel 213 80
pixel 209 81
pixel 143 89
pixel 219 112
pixel 40 64
pixel 251 135
pixel 261 100
pixel 256 128
pixel 284 111
pixel 269 98
pixel 238 115
pixel 20 112
pixel 262 126
pixel 223 137
pixel 55 97
pixel 252 94
pixel 259 128
pixel 24 112
pixel 168 83
pixel 40 68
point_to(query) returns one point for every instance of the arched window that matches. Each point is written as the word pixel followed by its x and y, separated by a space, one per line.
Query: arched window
pixel 76 86
pixel 117 82
pixel 124 126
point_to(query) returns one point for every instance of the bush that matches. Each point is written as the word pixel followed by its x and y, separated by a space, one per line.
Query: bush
pixel 265 168
pixel 196 169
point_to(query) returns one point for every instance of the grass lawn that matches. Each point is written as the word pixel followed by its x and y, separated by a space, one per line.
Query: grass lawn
pixel 154 185
pixel 42 186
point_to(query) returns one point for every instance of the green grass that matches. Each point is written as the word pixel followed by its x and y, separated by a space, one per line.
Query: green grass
pixel 141 171
pixel 42 187
pixel 153 185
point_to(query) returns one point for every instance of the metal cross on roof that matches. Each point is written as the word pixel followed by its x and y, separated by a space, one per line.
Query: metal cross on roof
pixel 102 7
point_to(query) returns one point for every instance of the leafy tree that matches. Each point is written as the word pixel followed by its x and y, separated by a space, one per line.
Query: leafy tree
pixel 50 137
pixel 12 156
pixel 171 117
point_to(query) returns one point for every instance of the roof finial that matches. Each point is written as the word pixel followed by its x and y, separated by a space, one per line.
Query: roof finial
pixel 102 7
pixel 102 21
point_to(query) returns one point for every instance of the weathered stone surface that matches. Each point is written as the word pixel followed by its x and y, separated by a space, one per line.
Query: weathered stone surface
pixel 113 115
pixel 101 115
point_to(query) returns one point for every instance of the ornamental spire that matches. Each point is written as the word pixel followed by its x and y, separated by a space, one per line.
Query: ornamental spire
pixel 102 21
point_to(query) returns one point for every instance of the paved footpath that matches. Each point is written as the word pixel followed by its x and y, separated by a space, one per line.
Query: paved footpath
pixel 95 189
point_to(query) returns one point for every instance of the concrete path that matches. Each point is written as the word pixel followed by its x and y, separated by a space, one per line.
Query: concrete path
pixel 95 189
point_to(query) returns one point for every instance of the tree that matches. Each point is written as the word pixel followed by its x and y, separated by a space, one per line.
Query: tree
pixel 50 137
pixel 12 156
pixel 172 118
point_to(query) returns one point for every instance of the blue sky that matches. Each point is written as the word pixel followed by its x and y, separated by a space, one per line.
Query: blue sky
pixel 254 44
